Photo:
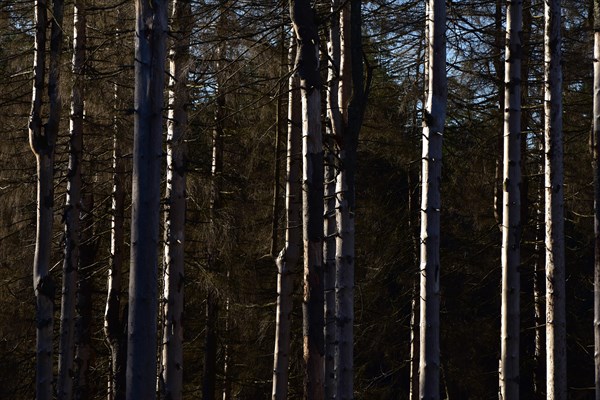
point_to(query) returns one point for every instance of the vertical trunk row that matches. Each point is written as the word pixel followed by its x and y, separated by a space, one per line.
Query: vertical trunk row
pixel 72 211
pixel 596 169
pixel 556 356
pixel 150 55
pixel 42 139
pixel 433 128
pixel 307 66
pixel 511 215
pixel 289 256
pixel 172 346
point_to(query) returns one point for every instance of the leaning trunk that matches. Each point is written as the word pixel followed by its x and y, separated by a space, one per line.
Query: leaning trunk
pixel 556 352
pixel 433 128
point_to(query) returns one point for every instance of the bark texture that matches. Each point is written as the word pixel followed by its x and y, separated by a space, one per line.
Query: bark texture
pixel 72 211
pixel 433 129
pixel 150 56
pixel 289 256
pixel 42 139
pixel 596 169
pixel 556 351
pixel 511 199
pixel 175 204
pixel 307 67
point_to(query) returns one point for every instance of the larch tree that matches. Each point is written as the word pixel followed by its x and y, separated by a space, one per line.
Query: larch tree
pixel 596 169
pixel 72 211
pixel 307 67
pixel 556 346
pixel 511 203
pixel 42 139
pixel 288 258
pixel 434 116
pixel 150 56
pixel 175 202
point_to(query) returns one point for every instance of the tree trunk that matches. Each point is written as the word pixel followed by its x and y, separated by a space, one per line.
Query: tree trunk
pixel 72 211
pixel 556 354
pixel 330 228
pixel 42 139
pixel 210 348
pixel 499 43
pixel 307 66
pixel 433 128
pixel 172 347
pixel 83 342
pixel 596 169
pixel 114 323
pixel 511 214
pixel 290 255
pixel 151 28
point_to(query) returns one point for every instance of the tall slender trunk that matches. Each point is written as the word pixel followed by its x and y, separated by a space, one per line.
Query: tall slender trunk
pixel 114 323
pixel 42 139
pixel 330 228
pixel 596 169
pixel 72 210
pixel 556 352
pixel 214 265
pixel 413 204
pixel 87 257
pixel 511 215
pixel 499 68
pixel 433 128
pixel 289 256
pixel 307 66
pixel 172 347
pixel 150 56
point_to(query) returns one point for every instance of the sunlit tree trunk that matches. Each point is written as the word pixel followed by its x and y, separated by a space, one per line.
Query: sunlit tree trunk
pixel 42 139
pixel 556 352
pixel 307 67
pixel 433 129
pixel 330 228
pixel 72 211
pixel 172 346
pixel 289 256
pixel 596 168
pixel 114 323
pixel 511 215
pixel 150 56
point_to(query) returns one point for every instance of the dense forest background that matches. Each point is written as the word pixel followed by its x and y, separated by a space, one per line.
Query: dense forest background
pixel 239 46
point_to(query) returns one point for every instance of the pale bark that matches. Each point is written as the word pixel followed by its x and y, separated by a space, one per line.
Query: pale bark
pixel 42 139
pixel 330 228
pixel 72 211
pixel 499 68
pixel 596 169
pixel 433 128
pixel 307 67
pixel 511 214
pixel 175 204
pixel 556 354
pixel 150 55
pixel 289 256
